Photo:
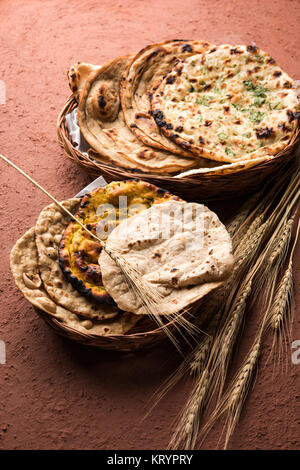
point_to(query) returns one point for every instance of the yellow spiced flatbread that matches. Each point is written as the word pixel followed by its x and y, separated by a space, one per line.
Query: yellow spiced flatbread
pixel 101 211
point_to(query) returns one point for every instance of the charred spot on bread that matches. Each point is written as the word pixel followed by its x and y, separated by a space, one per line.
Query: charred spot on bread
pixel 171 79
pixel 101 101
pixel 265 133
pixel 159 118
pixel 251 48
pixel 187 48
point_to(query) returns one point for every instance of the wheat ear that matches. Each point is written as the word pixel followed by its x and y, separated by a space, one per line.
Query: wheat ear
pixel 234 398
pixel 242 214
pixel 186 432
pixel 281 307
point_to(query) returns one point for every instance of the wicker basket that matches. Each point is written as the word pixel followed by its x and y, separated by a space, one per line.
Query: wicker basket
pixel 145 334
pixel 203 187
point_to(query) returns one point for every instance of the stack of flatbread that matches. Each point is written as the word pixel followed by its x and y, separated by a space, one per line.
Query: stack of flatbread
pixel 180 249
pixel 186 107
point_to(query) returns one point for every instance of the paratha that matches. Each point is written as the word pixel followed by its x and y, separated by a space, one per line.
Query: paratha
pixel 181 249
pixel 102 123
pixel 228 104
pixel 25 270
pixel 101 211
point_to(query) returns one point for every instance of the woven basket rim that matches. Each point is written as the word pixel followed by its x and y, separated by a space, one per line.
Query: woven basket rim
pixel 119 342
pixel 73 153
pixel 141 334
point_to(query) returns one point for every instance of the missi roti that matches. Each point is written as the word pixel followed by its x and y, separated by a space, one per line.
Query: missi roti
pixel 101 211
pixel 228 104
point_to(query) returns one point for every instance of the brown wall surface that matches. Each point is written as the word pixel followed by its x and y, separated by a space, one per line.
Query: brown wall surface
pixel 56 394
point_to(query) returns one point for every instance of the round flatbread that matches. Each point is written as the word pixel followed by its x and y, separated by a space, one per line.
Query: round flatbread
pixel 102 124
pixel 228 104
pixel 25 270
pixel 101 211
pixel 182 250
pixel 49 229
pixel 141 79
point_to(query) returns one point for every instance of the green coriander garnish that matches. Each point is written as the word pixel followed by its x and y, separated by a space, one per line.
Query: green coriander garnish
pixel 248 135
pixel 222 136
pixel 256 89
pixel 228 151
pixel 259 58
pixel 259 101
pixel 256 116
pixel 274 106
pixel 249 85
pixel 202 101
pixel 260 91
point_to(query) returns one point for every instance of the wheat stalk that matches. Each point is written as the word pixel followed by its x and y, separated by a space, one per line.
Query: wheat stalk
pixel 279 247
pixel 280 309
pixel 282 299
pixel 187 428
pixel 234 225
pixel 234 398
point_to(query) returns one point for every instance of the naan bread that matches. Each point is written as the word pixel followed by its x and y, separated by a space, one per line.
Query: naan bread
pixel 25 270
pixel 102 124
pixel 100 211
pixel 181 249
pixel 142 77
pixel 49 229
pixel 228 104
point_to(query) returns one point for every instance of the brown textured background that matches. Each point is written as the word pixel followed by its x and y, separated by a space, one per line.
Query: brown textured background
pixel 56 394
